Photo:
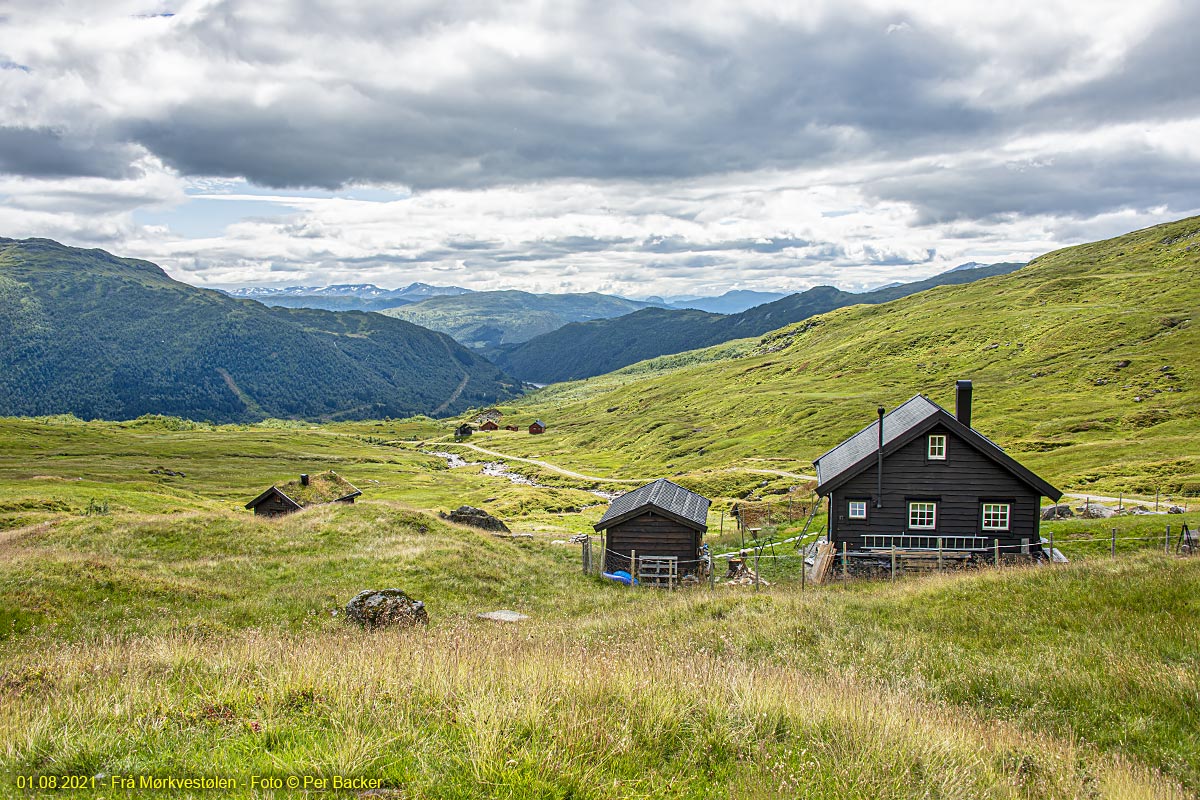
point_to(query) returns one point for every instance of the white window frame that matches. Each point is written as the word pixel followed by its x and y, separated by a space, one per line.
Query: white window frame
pixel 850 504
pixel 932 509
pixel 940 439
pixel 996 525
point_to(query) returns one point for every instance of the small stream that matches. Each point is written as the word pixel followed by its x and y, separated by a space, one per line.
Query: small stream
pixel 499 469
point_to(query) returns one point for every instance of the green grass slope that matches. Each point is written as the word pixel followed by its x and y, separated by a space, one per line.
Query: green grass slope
pixel 212 643
pixel 483 320
pixel 1085 366
pixel 586 349
pixel 88 333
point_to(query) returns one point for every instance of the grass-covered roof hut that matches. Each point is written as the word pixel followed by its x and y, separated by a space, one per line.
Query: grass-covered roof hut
pixel 308 490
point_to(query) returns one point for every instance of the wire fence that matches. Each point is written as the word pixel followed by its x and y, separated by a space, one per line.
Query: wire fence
pixel 774 561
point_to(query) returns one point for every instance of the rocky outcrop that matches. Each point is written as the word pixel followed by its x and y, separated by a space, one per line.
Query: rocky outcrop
pixel 1057 512
pixel 1096 511
pixel 381 608
pixel 476 518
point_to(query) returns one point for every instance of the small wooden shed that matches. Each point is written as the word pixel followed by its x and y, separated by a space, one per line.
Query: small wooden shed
pixel 489 425
pixel 315 490
pixel 511 428
pixel 661 520
pixel 463 430
pixel 537 427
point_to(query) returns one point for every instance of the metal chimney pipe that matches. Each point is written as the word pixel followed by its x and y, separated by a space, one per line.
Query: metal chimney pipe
pixel 962 402
pixel 303 479
pixel 879 463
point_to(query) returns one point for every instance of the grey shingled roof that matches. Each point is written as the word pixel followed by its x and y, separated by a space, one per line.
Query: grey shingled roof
pixel 663 495
pixel 899 421
pixel 851 455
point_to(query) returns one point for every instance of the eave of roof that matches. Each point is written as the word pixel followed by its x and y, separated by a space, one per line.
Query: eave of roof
pixel 662 496
pixel 647 508
pixel 894 440
pixel 270 491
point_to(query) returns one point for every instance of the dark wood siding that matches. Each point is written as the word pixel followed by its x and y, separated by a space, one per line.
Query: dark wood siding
pixel 273 506
pixel 652 534
pixel 959 485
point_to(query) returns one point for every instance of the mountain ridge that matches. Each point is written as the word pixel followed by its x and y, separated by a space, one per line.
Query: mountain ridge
pixel 587 349
pixel 99 336
pixel 486 320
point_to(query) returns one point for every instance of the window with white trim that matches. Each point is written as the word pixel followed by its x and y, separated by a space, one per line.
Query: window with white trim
pixel 937 447
pixel 858 509
pixel 995 516
pixel 922 515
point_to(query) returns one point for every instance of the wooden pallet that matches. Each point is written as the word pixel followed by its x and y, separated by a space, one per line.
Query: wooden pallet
pixel 658 570
pixel 823 563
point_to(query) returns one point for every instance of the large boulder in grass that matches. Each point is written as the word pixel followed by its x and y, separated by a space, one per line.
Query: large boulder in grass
pixel 381 608
pixel 476 518
pixel 1057 512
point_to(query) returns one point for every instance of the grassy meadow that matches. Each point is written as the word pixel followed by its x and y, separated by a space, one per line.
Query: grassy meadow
pixel 151 626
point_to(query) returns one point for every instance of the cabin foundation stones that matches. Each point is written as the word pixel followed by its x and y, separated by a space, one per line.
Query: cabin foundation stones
pixel 373 609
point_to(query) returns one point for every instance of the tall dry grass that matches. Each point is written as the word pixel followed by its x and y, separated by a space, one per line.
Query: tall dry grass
pixel 472 710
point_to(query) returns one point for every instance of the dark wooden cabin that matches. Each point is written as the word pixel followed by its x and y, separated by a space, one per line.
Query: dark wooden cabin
pixel 537 427
pixel 463 430
pixel 511 428
pixel 659 519
pixel 920 475
pixel 308 491
pixel 489 425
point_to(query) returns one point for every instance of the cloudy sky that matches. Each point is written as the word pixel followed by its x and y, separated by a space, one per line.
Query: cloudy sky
pixel 629 147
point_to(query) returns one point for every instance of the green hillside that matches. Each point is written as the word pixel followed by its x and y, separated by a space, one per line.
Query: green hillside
pixel 95 335
pixel 1085 366
pixel 483 320
pixel 586 349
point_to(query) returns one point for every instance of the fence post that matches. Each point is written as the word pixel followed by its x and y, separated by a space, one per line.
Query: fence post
pixel 1167 541
pixel 844 563
pixel 632 566
pixel 756 578
pixel 1051 546
pixel 893 559
pixel 1156 499
pixel 1114 542
pixel 939 554
pixel 997 551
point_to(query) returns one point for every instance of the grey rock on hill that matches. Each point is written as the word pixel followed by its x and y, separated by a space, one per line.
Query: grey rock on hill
pixel 381 608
